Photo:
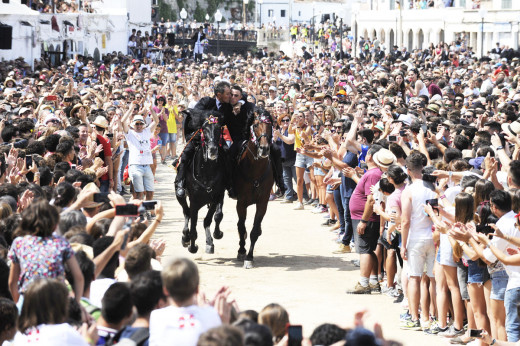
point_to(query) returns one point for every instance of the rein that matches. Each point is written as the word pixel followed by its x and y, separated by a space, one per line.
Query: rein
pixel 210 120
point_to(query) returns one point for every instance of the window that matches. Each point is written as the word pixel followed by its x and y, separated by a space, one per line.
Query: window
pixel 282 13
pixel 507 4
pixel 270 13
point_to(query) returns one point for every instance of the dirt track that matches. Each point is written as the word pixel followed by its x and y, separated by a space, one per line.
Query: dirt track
pixel 294 266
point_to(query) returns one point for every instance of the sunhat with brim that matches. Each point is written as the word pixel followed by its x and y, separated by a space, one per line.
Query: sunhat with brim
pixel 101 121
pixel 77 107
pixel 90 202
pixel 384 158
pixel 433 107
pixel 512 128
pixel 477 162
pixel 9 79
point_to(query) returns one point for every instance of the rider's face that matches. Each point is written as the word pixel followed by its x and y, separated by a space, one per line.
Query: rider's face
pixel 235 96
pixel 225 96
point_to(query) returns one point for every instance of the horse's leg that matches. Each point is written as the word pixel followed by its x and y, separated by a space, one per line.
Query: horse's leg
pixel 194 213
pixel 261 208
pixel 210 248
pixel 186 211
pixel 218 234
pixel 242 232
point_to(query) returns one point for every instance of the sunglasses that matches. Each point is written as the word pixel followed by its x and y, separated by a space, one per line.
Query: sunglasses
pixel 285 120
pixel 139 124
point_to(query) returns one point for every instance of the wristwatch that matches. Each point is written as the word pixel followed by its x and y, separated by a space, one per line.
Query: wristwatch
pixel 500 147
pixel 363 221
pixel 493 342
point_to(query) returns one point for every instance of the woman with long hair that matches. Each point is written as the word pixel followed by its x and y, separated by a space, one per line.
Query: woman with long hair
pixel 44 315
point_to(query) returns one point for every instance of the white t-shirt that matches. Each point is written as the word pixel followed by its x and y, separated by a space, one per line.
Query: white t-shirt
pixel 98 288
pixel 420 223
pixel 50 334
pixel 139 146
pixel 507 225
pixel 181 326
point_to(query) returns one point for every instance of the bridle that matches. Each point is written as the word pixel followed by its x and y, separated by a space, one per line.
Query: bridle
pixel 256 139
pixel 210 120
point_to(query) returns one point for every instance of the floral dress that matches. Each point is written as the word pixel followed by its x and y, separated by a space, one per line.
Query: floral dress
pixel 40 257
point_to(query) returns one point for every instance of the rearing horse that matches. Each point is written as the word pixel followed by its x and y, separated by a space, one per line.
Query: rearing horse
pixel 205 182
pixel 254 180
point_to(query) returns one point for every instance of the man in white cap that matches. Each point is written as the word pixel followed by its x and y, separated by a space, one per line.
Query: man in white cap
pixel 140 153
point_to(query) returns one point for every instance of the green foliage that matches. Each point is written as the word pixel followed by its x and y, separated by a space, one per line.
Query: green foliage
pixel 180 5
pixel 199 13
pixel 166 11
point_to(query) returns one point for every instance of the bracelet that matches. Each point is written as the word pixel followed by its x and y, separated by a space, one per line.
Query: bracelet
pixel 500 147
pixel 363 221
pixel 90 341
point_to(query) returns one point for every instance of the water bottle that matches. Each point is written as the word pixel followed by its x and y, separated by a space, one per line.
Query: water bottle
pixel 159 142
pixel 392 218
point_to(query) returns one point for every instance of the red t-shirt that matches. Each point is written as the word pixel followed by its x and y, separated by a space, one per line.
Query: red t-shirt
pixel 107 152
pixel 360 194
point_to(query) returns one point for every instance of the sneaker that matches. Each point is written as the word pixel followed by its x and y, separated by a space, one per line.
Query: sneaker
pixel 272 197
pixel 375 288
pixel 308 201
pixel 411 325
pixel 358 289
pixel 355 262
pixel 325 210
pixel 452 332
pixel 286 201
pixel 315 202
pixel 435 329
pixel 163 162
pixel 299 206
pixel 316 210
pixel 389 291
pixel 332 222
pixel 405 316
pixel 342 249
pixel 327 222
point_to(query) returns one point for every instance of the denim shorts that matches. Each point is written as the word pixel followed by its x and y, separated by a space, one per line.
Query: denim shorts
pixel 303 161
pixel 462 276
pixel 477 274
pixel 499 281
pixel 318 171
pixel 142 177
pixel 165 138
pixel 172 137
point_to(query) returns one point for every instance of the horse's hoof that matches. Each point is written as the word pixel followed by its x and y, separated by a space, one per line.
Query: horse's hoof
pixel 248 264
pixel 193 249
pixel 218 234
pixel 241 256
pixel 185 242
pixel 210 249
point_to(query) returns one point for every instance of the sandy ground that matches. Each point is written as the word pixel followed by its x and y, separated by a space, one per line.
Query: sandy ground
pixel 294 266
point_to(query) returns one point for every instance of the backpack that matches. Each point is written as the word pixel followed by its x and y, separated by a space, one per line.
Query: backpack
pixel 138 338
pixel 367 47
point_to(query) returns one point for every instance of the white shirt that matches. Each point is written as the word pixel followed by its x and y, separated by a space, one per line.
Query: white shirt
pixel 181 326
pixel 139 146
pixel 50 334
pixel 507 225
pixel 98 288
pixel 420 223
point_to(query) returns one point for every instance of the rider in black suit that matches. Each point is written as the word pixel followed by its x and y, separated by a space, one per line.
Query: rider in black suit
pixel 218 103
pixel 239 122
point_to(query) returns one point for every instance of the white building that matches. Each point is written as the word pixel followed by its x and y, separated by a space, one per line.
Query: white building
pixel 94 34
pixel 283 12
pixel 495 21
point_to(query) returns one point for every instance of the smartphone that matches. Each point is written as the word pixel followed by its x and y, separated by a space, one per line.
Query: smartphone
pixel 17 95
pixel 28 161
pixel 392 138
pixel 67 99
pixel 295 335
pixel 51 98
pixel 73 166
pixel 101 197
pixel 127 210
pixel 424 128
pixel 433 202
pixel 110 135
pixel 475 333
pixel 149 205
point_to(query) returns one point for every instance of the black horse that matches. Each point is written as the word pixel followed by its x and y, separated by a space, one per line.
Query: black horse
pixel 253 181
pixel 205 180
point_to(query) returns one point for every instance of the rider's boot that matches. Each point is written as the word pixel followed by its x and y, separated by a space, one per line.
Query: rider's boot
pixel 180 184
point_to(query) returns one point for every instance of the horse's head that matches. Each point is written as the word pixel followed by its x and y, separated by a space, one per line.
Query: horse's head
pixel 211 136
pixel 262 132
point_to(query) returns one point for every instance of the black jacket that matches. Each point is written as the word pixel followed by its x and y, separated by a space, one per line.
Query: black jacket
pixel 196 35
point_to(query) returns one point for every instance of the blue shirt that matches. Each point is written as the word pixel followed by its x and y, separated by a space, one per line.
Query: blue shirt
pixel 347 184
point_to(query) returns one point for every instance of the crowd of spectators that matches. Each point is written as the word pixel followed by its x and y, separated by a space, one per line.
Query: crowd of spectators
pixel 412 157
